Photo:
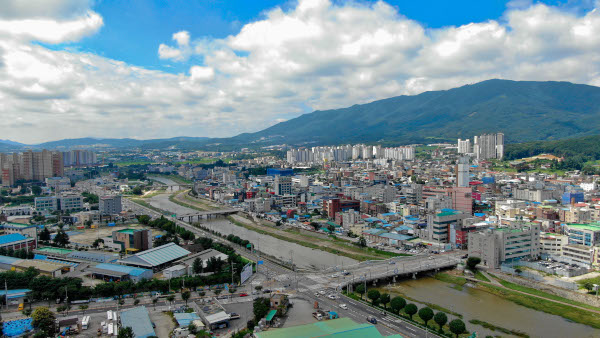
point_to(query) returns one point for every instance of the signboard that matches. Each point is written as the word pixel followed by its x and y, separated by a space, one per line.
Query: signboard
pixel 246 273
pixel 260 262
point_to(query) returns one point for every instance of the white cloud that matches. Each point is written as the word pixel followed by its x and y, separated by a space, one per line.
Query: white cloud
pixel 181 52
pixel 315 56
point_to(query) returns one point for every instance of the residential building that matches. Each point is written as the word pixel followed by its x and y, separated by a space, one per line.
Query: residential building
pixel 462 172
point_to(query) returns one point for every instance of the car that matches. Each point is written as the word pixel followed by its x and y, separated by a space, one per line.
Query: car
pixel 317 294
pixel 331 297
pixel 243 294
pixel 266 291
pixel 392 263
pixel 344 306
pixel 372 320
pixel 322 292
pixel 234 315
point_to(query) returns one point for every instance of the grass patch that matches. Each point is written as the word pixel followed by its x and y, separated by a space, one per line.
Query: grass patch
pixel 358 254
pixel 574 314
pixel 540 293
pixel 480 276
pixel 448 278
pixel 172 199
pixel 149 206
pixel 493 327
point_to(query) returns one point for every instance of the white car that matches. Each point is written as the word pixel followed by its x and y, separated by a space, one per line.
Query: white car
pixel 344 306
pixel 322 292
pixel 331 297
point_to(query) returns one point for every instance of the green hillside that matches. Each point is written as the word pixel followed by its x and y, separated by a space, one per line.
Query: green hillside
pixel 523 110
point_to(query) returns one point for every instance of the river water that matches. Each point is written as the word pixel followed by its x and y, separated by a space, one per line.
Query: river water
pixel 302 256
pixel 476 304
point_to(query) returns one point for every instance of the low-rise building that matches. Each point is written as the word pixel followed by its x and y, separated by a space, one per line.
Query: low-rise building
pixel 552 244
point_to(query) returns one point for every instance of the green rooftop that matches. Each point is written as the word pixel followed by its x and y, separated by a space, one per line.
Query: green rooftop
pixel 57 251
pixel 590 227
pixel 343 327
pixel 448 213
pixel 127 231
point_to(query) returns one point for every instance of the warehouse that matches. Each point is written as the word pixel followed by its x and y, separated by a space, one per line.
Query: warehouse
pixel 45 268
pixel 156 258
pixel 204 256
pixel 116 273
pixel 6 262
pixel 138 319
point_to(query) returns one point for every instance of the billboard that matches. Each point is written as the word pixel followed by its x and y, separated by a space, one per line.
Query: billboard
pixel 246 273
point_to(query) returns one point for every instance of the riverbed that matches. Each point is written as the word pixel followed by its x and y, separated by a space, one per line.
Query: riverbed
pixel 301 256
pixel 473 303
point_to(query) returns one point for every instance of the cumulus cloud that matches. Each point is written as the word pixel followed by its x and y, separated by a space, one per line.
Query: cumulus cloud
pixel 179 53
pixel 317 55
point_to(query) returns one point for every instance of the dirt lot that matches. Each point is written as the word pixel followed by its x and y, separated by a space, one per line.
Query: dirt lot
pixel 88 236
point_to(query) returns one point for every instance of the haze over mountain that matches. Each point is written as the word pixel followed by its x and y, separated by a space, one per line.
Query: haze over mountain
pixel 522 110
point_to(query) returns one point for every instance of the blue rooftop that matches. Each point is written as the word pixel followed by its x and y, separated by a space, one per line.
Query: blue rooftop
pixel 139 320
pixel 8 260
pixel 5 239
pixel 122 268
pixel 185 319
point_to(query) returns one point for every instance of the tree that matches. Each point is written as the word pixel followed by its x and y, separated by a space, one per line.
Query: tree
pixel 83 308
pixel 360 289
pixel 362 242
pixel 125 332
pixel 137 190
pixel 171 298
pixel 373 295
pixel 136 301
pixel 192 328
pixel 43 320
pixel 397 304
pixel 384 299
pixel 61 239
pixel 36 190
pixel 410 310
pixel 331 229
pixel 472 262
pixel 143 219
pixel 154 301
pixel 185 296
pixel 588 286
pixel 197 265
pixel 457 327
pixel 441 319
pixel 27 312
pixel 258 287
pixel 426 314
pixel 315 225
pixel 44 235
pixel 97 242
pixel 261 307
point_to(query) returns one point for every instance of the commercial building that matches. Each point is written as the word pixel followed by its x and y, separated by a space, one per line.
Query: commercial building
pixel 63 202
pixel 583 234
pixel 138 319
pixel 46 268
pixel 156 258
pixel 110 205
pixel 282 185
pixel 133 239
pixel 508 244
pixel 552 244
pixel 439 224
pixel 581 255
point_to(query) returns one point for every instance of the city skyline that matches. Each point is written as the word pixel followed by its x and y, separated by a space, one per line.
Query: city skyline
pixel 97 69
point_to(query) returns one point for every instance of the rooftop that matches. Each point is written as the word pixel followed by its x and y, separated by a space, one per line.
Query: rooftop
pixel 128 231
pixel 139 320
pixel 121 268
pixel 45 266
pixel 5 239
pixel 56 251
pixel 157 256
pixel 343 327
pixel 590 227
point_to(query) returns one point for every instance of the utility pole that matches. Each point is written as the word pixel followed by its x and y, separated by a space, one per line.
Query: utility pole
pixel 67 300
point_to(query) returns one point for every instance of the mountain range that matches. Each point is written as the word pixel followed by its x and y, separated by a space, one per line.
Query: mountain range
pixel 522 110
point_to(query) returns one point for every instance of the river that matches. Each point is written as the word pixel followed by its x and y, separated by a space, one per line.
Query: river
pixel 477 304
pixel 302 256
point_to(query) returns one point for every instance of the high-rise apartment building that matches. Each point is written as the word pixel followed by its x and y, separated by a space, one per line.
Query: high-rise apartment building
pixel 78 158
pixel 485 146
pixel 462 172
pixel 464 146
pixel 30 166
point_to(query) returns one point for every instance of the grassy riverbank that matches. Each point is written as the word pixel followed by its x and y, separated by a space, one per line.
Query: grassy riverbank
pixel 493 327
pixel 325 244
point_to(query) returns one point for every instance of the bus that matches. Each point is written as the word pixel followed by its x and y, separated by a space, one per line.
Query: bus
pixel 85 322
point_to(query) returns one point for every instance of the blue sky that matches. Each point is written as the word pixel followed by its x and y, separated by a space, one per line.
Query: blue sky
pixel 153 69
pixel 132 29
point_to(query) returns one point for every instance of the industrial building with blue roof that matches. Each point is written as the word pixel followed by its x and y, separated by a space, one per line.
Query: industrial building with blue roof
pixel 156 258
pixel 115 272
pixel 138 319
pixel 17 241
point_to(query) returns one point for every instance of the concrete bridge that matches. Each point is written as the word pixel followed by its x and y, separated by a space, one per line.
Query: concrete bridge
pixel 206 215
pixel 392 269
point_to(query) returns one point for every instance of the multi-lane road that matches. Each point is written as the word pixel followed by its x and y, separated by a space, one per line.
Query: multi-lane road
pixel 306 285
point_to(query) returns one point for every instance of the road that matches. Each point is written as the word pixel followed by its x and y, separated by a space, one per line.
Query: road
pixel 305 285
